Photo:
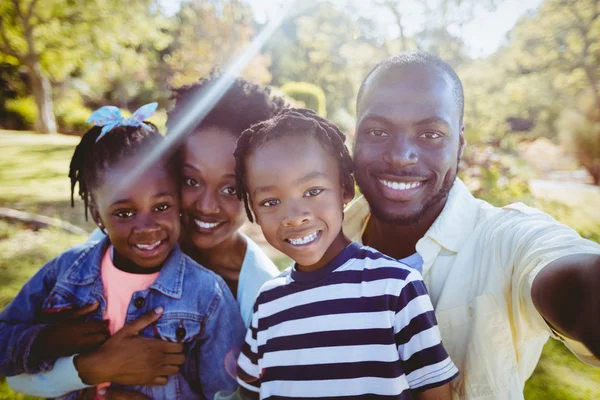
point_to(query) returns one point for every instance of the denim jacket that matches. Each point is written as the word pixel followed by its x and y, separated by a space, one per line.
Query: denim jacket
pixel 199 311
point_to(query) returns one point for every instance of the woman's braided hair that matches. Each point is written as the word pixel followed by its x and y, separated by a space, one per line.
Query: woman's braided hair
pixel 92 158
pixel 292 121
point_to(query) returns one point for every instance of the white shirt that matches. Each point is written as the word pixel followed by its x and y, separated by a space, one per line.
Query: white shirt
pixel 479 263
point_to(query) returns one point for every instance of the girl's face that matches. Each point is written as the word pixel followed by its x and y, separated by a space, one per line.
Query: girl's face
pixel 142 220
pixel 296 194
pixel 212 212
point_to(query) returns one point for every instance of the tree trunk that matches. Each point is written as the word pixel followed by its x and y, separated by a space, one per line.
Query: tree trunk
pixel 42 91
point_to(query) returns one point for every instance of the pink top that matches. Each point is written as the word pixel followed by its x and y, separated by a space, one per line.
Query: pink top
pixel 119 288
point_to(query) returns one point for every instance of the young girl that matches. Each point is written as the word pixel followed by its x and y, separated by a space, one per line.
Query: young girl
pixel 136 269
pixel 345 321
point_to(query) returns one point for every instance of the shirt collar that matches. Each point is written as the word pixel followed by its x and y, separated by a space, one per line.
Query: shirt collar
pixel 457 219
pixel 86 269
pixel 316 276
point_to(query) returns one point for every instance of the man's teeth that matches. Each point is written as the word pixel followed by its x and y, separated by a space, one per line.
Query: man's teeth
pixel 148 247
pixel 304 240
pixel 206 225
pixel 401 185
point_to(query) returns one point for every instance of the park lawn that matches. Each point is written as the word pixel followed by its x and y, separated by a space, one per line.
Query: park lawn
pixel 33 178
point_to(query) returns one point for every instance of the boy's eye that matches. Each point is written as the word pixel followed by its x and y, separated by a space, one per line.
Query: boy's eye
pixel 163 207
pixel 377 133
pixel 431 135
pixel 191 182
pixel 124 214
pixel 270 203
pixel 313 192
pixel 230 191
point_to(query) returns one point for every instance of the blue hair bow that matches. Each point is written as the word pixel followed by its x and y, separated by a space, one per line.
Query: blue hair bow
pixel 110 117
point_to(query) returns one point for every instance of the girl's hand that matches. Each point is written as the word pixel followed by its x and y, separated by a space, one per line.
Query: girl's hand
pixel 129 359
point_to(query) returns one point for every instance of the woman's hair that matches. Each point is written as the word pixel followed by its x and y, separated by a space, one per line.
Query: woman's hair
pixel 243 104
pixel 290 122
pixel 91 158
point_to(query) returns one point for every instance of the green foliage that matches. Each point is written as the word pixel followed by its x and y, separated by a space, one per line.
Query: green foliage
pixel 24 109
pixel 72 115
pixel 311 96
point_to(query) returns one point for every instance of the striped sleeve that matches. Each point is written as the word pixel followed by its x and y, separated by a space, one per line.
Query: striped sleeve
pixel 248 369
pixel 424 359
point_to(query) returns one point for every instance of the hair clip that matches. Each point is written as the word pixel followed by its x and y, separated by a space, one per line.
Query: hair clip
pixel 110 117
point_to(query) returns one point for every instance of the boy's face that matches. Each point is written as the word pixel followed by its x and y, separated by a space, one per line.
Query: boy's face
pixel 142 220
pixel 295 191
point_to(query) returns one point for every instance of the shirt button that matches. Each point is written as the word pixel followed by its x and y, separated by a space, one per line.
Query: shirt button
pixel 180 333
pixel 139 302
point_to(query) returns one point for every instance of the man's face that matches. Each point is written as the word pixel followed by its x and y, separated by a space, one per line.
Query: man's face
pixel 409 139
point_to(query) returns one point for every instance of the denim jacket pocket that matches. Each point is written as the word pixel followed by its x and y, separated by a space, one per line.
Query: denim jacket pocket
pixel 59 300
pixel 178 327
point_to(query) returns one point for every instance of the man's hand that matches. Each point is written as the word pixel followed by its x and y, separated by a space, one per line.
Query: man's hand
pixel 129 359
pixel 70 334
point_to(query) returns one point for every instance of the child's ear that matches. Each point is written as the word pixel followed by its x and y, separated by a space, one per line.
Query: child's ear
pixel 96 216
pixel 348 191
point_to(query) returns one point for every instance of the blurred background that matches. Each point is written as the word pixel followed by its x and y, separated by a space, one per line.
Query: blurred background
pixel 530 70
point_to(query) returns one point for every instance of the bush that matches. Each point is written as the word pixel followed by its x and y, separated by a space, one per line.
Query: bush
pixel 311 96
pixel 24 109
pixel 72 115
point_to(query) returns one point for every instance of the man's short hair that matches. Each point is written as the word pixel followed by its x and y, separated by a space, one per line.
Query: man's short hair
pixel 419 58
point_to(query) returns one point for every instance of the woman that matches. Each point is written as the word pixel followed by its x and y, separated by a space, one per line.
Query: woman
pixel 211 213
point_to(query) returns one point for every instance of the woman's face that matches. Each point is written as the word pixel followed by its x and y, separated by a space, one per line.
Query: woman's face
pixel 211 209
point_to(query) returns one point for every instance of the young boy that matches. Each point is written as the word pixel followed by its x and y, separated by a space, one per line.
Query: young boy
pixel 345 321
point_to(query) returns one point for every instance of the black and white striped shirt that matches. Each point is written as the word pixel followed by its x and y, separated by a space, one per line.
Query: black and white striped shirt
pixel 362 326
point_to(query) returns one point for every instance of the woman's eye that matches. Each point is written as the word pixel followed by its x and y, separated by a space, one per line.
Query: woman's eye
pixel 270 203
pixel 431 135
pixel 313 192
pixel 377 133
pixel 230 191
pixel 191 182
pixel 124 214
pixel 163 207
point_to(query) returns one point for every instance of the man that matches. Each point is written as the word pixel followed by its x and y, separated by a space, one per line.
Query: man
pixel 501 279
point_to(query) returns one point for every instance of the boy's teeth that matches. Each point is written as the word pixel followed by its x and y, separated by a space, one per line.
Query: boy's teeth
pixel 400 185
pixel 206 225
pixel 304 240
pixel 148 246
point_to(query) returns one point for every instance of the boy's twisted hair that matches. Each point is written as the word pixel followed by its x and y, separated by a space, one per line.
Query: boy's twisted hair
pixel 90 159
pixel 292 121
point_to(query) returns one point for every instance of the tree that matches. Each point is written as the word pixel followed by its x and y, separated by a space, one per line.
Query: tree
pixel 53 38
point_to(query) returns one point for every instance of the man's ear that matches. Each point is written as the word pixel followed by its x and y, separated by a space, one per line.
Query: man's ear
pixel 462 142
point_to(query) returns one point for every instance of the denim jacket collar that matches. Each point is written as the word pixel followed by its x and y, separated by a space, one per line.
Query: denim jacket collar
pixel 169 281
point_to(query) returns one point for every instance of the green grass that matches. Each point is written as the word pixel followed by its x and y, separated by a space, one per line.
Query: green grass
pixel 33 177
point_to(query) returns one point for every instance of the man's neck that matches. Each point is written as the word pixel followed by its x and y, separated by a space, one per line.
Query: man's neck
pixel 397 240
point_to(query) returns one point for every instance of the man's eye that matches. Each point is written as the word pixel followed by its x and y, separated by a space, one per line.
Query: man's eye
pixel 230 191
pixel 163 207
pixel 431 135
pixel 313 192
pixel 124 214
pixel 270 203
pixel 377 133
pixel 191 182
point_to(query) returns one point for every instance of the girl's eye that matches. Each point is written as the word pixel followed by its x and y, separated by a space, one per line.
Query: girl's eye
pixel 191 182
pixel 270 203
pixel 124 214
pixel 313 192
pixel 230 191
pixel 163 207
pixel 431 135
pixel 377 133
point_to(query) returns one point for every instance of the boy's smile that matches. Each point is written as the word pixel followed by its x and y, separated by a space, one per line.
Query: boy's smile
pixel 297 197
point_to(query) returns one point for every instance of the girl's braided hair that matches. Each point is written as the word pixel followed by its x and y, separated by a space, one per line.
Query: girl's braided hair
pixel 92 158
pixel 292 121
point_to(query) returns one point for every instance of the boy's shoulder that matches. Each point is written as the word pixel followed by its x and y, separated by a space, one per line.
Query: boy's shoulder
pixel 370 260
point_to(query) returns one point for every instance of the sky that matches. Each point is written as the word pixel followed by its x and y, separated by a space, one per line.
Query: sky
pixel 482 36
